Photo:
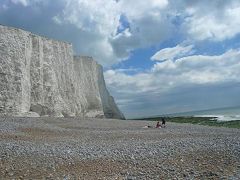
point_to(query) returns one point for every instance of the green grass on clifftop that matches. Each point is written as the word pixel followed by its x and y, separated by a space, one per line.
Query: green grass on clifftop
pixel 208 121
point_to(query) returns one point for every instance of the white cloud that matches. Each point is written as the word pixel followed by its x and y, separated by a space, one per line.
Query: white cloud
pixel 196 69
pixel 149 25
pixel 140 82
pixel 142 8
pixel 22 2
pixel 97 16
pixel 29 3
pixel 165 77
pixel 172 53
pixel 97 21
pixel 101 18
pixel 200 69
pixel 144 32
pixel 218 21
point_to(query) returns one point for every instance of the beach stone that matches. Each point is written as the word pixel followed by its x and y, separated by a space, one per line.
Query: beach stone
pixel 74 147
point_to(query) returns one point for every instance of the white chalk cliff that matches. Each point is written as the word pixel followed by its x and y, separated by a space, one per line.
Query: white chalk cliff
pixel 41 77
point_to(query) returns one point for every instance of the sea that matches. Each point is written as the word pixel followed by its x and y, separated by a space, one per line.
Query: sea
pixel 220 114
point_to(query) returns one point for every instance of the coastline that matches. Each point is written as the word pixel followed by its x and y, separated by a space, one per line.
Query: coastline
pixel 206 120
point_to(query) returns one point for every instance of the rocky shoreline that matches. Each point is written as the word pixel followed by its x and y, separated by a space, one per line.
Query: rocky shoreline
pixel 73 148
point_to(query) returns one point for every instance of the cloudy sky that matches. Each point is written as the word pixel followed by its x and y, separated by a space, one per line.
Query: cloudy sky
pixel 159 56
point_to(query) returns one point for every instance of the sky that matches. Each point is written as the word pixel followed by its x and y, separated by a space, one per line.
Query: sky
pixel 159 56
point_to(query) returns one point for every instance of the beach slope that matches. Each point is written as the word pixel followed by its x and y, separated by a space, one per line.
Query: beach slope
pixel 73 148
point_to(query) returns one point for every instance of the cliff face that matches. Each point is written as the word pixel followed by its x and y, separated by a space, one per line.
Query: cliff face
pixel 99 101
pixel 40 77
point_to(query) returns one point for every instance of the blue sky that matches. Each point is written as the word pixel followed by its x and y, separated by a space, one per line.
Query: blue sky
pixel 159 56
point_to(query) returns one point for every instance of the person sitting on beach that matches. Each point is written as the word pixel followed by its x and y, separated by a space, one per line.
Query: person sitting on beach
pixel 163 122
pixel 158 125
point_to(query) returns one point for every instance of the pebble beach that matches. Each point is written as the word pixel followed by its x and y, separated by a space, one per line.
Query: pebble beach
pixel 90 148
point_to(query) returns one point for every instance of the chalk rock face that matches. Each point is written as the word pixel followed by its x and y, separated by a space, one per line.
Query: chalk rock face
pixel 99 101
pixel 40 77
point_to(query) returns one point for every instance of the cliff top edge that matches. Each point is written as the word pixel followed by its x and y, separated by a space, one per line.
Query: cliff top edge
pixel 34 34
pixel 48 38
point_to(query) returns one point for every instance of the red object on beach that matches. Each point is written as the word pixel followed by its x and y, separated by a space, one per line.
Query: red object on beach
pixel 158 125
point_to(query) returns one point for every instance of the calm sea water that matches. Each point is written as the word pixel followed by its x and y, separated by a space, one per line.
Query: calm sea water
pixel 222 114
